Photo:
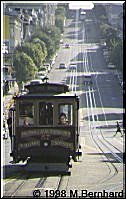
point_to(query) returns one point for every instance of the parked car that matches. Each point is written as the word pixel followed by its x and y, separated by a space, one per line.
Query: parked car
pixel 62 66
pixel 23 91
pixel 35 81
pixel 111 66
pixel 105 51
pixel 67 46
pixel 52 61
pixel 122 84
pixel 47 66
pixel 41 75
pixel 61 41
pixel 73 66
pixel 87 79
pixel 103 44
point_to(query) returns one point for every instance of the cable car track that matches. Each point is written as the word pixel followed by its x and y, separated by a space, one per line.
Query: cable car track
pixel 113 169
pixel 41 182
pixel 90 99
pixel 17 185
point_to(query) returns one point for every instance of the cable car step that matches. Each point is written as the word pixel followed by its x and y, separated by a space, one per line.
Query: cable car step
pixel 48 167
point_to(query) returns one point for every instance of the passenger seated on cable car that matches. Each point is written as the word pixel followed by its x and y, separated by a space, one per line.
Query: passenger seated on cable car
pixel 63 119
pixel 27 121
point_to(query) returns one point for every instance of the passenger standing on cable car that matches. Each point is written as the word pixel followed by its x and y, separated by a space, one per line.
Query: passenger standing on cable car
pixel 9 123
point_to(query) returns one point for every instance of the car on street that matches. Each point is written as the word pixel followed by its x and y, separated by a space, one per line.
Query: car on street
pixel 67 46
pixel 87 79
pixel 111 66
pixel 73 66
pixel 62 66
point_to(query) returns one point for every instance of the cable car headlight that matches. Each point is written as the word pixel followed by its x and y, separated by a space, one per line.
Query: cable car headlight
pixel 45 144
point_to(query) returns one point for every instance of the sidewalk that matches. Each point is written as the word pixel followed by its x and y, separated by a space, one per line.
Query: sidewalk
pixel 7 99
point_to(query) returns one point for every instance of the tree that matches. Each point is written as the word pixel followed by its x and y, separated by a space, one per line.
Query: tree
pixel 60 14
pixel 48 42
pixel 60 11
pixel 24 67
pixel 39 55
pixel 103 18
pixel 55 34
pixel 116 55
pixel 34 51
pixel 99 11
pixel 109 34
pixel 113 42
pixel 60 22
pixel 43 46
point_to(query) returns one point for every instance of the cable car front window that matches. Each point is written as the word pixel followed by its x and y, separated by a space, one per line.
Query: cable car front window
pixel 65 114
pixel 26 114
pixel 45 113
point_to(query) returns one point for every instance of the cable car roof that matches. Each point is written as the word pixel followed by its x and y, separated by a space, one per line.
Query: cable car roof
pixel 47 88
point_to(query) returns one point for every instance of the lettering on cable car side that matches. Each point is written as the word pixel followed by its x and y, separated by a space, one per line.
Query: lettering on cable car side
pixel 56 142
pixel 29 144
pixel 62 143
pixel 35 132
